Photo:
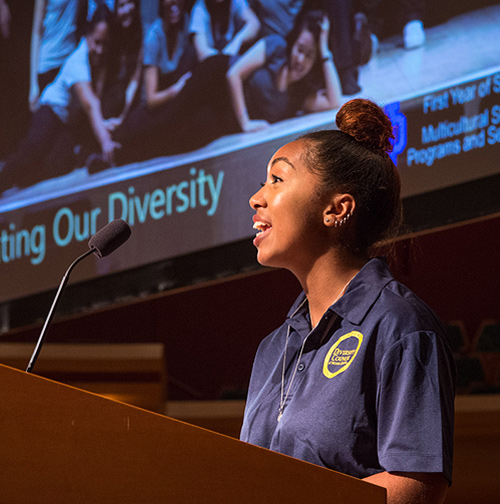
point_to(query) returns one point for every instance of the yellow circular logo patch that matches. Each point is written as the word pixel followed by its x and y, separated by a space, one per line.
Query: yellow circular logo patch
pixel 342 353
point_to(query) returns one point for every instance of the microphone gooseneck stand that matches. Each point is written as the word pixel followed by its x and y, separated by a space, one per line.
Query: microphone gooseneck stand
pixel 48 320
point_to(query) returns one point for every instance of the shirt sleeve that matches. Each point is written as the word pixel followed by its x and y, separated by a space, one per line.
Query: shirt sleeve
pixel 275 46
pixel 151 47
pixel 76 68
pixel 275 52
pixel 200 21
pixel 239 8
pixel 415 406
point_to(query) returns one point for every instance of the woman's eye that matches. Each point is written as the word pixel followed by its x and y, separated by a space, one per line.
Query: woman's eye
pixel 275 179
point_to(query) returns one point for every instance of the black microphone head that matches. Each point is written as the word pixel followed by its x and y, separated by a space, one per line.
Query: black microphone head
pixel 110 237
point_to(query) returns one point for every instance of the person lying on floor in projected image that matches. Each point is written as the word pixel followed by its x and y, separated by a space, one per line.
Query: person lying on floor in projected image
pixel 48 148
pixel 274 79
pixel 360 378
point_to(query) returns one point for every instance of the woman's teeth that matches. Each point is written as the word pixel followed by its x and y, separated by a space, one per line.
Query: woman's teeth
pixel 261 226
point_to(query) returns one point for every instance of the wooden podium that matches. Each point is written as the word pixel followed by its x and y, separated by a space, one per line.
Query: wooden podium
pixel 60 444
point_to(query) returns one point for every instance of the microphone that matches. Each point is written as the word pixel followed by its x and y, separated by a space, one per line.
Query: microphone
pixel 110 237
pixel 105 241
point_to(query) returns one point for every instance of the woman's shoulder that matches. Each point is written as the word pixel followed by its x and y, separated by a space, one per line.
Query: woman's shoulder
pixel 199 9
pixel 403 313
pixel 382 301
pixel 155 30
pixel 274 40
pixel 76 62
pixel 405 299
pixel 275 48
pixel 239 6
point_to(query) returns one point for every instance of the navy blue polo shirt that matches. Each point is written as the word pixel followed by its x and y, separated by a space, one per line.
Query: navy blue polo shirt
pixel 374 388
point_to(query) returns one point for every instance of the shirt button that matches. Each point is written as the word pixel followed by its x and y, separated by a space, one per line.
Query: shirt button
pixel 301 367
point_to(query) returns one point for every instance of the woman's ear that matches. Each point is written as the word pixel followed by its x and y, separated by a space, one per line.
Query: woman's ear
pixel 339 210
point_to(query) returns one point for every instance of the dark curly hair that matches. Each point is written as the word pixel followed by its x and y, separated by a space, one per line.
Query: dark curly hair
pixel 355 160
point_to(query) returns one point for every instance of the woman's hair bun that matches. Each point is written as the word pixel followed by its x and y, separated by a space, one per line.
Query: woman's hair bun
pixel 367 123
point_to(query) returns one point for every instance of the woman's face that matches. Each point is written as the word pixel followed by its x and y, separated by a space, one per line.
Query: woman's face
pixel 96 42
pixel 302 56
pixel 289 212
pixel 125 12
pixel 172 11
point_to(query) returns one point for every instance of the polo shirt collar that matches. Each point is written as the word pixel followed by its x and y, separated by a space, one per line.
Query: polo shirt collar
pixel 359 297
pixel 363 291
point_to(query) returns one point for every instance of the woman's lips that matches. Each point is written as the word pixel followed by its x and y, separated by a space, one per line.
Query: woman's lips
pixel 263 229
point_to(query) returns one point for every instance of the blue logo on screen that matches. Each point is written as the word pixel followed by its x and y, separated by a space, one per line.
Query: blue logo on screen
pixel 399 124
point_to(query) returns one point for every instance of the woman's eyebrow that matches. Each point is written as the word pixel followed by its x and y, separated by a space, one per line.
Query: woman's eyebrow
pixel 284 159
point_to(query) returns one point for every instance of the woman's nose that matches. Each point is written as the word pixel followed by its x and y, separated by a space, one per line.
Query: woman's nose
pixel 257 200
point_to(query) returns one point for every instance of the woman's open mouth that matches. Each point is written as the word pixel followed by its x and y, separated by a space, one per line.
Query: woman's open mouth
pixel 263 229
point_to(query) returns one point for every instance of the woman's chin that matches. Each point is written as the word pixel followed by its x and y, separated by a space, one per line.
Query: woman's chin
pixel 262 259
pixel 268 260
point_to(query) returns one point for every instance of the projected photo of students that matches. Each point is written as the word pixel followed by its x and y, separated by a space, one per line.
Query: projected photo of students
pixel 271 81
pixel 154 78
pixel 185 91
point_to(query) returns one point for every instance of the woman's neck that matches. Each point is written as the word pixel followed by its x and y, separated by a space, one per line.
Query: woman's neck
pixel 327 280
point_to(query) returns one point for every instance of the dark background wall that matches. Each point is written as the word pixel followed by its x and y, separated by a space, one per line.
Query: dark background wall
pixel 211 331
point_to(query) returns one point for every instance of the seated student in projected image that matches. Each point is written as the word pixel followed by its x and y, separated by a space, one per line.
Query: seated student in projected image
pixel 48 148
pixel 168 54
pixel 169 58
pixel 125 62
pixel 123 75
pixel 222 26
